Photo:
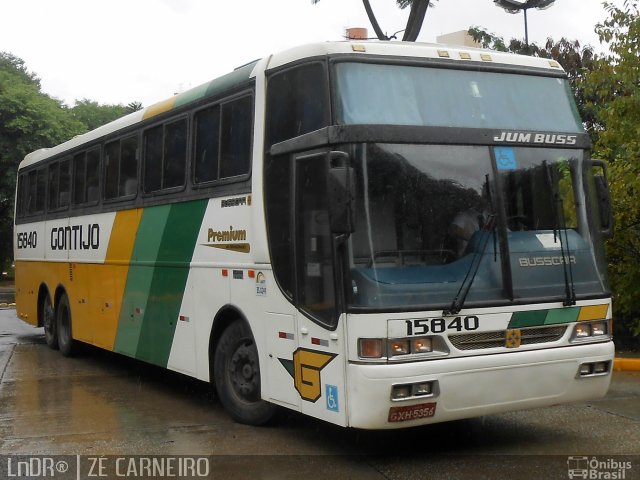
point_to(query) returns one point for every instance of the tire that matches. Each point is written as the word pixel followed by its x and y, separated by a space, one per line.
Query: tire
pixel 49 323
pixel 66 343
pixel 237 376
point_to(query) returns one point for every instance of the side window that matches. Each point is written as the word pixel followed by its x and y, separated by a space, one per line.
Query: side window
pixel 79 180
pixel 223 140
pixel 111 169
pixel 41 190
pixel 153 159
pixel 314 247
pixel 128 184
pixel 207 144
pixel 34 191
pixel 54 184
pixel 297 101
pixel 165 156
pixel 277 180
pixel 235 148
pixel 121 168
pixel 64 189
pixel 86 185
pixel 20 197
pixel 59 184
pixel 175 154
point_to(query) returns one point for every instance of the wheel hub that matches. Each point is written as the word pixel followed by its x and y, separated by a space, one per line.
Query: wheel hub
pixel 243 368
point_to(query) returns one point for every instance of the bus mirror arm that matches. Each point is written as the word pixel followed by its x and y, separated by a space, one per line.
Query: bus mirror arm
pixel 604 199
pixel 341 193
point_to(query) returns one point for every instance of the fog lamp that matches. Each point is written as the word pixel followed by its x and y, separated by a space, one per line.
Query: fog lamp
pixel 585 369
pixel 400 391
pixel 600 367
pixel 425 388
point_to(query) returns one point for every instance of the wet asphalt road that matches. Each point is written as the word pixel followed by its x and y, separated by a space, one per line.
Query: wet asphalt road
pixel 104 404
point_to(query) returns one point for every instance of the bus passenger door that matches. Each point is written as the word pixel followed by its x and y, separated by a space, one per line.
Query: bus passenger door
pixel 319 361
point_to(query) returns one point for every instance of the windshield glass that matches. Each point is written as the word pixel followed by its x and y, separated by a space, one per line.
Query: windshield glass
pixel 425 214
pixel 408 95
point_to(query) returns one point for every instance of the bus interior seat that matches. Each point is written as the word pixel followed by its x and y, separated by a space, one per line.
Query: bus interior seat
pixel 130 186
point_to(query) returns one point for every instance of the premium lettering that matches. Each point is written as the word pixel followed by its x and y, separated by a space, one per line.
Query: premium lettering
pixel 230 235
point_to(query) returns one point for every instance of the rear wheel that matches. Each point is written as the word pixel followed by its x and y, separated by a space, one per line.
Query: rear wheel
pixel 237 376
pixel 49 322
pixel 67 344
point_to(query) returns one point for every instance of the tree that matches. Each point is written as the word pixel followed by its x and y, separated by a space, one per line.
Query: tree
pixel 614 88
pixel 29 120
pixel 94 115
pixel 414 23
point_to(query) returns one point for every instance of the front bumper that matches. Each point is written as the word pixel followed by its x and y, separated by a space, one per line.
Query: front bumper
pixel 478 385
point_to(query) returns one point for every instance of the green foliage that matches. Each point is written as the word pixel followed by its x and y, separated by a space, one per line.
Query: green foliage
pixel 29 120
pixel 93 115
pixel 613 86
pixel 577 61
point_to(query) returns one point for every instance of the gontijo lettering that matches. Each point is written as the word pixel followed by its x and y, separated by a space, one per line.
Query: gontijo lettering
pixel 76 237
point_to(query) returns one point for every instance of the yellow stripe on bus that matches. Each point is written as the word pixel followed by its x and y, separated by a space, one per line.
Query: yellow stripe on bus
pixel 112 277
pixel 593 312
pixel 158 108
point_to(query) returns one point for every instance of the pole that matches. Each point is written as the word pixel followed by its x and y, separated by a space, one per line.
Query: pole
pixel 526 30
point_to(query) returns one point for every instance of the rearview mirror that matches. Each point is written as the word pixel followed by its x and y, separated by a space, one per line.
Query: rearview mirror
pixel 603 197
pixel 341 191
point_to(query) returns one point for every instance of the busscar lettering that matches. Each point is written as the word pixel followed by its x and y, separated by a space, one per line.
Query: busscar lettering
pixel 76 237
pixel 546 261
pixel 536 138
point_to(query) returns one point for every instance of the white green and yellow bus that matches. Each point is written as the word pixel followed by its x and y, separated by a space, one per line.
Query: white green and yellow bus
pixel 378 235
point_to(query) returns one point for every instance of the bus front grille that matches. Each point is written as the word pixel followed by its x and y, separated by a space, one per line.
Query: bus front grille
pixel 498 338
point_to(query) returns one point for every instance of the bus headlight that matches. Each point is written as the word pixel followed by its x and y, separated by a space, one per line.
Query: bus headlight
pixel 399 346
pixel 591 331
pixel 421 345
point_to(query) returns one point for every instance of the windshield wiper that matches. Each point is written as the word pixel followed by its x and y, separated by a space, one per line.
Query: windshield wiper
pixel 560 227
pixel 458 301
pixel 490 228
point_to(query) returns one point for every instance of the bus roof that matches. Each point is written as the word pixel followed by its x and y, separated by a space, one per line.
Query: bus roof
pixel 242 74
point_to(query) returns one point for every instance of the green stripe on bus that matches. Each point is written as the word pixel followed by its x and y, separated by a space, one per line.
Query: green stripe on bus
pixel 530 318
pixel 536 318
pixel 136 293
pixel 562 315
pixel 169 281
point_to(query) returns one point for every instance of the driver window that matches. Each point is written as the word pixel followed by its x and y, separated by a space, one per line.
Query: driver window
pixel 316 289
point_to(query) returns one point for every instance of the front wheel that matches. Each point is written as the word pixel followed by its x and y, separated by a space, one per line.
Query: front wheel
pixel 67 344
pixel 236 371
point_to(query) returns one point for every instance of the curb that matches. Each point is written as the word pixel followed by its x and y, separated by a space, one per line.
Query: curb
pixel 626 364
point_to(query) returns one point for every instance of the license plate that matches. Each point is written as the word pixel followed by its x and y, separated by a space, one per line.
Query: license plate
pixel 412 412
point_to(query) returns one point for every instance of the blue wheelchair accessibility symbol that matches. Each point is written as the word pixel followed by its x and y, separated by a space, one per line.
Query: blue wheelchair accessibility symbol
pixel 505 158
pixel 332 398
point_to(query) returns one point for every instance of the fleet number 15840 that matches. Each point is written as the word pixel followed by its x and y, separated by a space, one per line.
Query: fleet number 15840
pixel 422 326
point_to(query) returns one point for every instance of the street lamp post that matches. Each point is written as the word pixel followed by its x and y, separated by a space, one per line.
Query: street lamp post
pixel 514 6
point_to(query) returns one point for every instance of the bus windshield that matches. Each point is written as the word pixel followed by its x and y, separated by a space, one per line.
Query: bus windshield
pixel 426 213
pixel 408 95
